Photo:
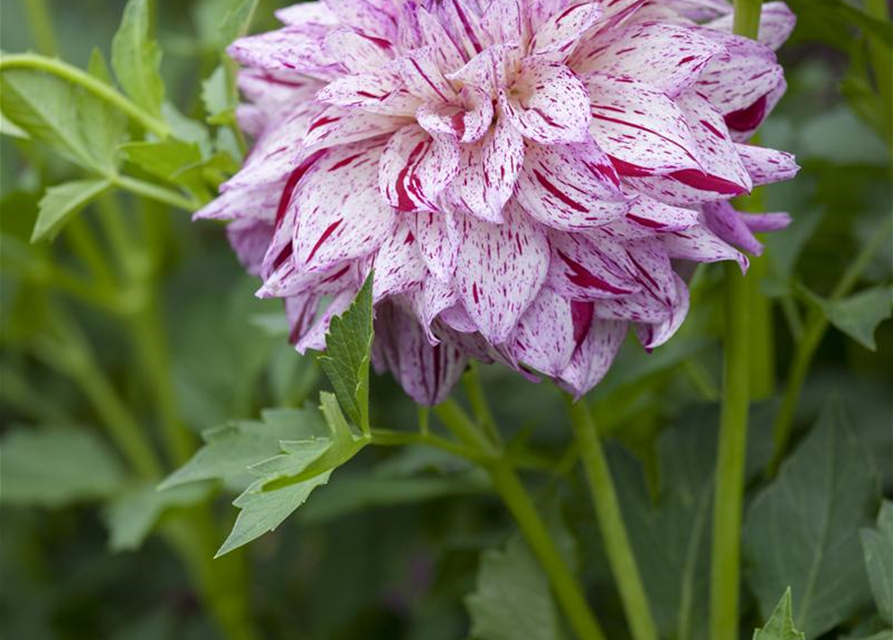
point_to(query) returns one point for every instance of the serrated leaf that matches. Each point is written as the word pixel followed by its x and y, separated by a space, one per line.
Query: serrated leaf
pixel 136 58
pixel 217 97
pixel 61 202
pixel 802 530
pixel 230 450
pixel 348 354
pixel 44 106
pixel 859 315
pixel 131 517
pixel 56 466
pixel 780 625
pixel 877 547
pixel 512 593
pixel 102 126
pixel 264 509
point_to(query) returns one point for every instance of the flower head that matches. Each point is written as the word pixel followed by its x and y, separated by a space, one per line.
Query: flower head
pixel 521 174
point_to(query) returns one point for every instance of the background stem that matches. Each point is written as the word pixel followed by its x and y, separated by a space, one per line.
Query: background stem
pixel 610 520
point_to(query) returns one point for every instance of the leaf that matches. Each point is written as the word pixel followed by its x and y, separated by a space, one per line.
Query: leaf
pixel 348 354
pixel 780 625
pixel 61 202
pixel 216 95
pixel 43 106
pixel 859 315
pixel 131 517
pixel 9 128
pixel 102 126
pixel 230 450
pixel 839 11
pixel 512 593
pixel 802 530
pixel 162 159
pixel 56 466
pixel 136 58
pixel 877 546
pixel 236 21
pixel 263 510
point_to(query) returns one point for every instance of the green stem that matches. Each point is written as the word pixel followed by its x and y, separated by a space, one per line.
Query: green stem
pixel 747 18
pixel 385 438
pixel 610 520
pixel 564 584
pixel 41 26
pixel 729 492
pixel 479 404
pixel 154 192
pixel 816 326
pixel 505 480
pixel 97 87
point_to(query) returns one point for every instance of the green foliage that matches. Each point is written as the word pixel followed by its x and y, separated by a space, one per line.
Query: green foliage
pixel 61 202
pixel 235 21
pixel 57 466
pixel 102 125
pixel 780 625
pixel 859 315
pixel 131 516
pixel 136 58
pixel 877 545
pixel 512 593
pixel 348 354
pixel 803 529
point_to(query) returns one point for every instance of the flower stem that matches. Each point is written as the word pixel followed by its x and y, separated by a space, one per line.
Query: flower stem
pixel 610 520
pixel 729 492
pixel 154 192
pixel 813 332
pixel 510 488
pixel 97 87
pixel 41 26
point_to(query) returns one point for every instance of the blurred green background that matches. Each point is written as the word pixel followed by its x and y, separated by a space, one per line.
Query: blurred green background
pixel 200 350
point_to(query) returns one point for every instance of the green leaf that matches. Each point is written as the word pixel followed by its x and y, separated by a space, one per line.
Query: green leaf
pixel 802 530
pixel 102 126
pixel 9 128
pixel 56 466
pixel 836 12
pixel 61 202
pixel 230 450
pixel 262 509
pixel 236 21
pixel 131 517
pixel 859 315
pixel 162 159
pixel 216 95
pixel 348 354
pixel 44 106
pixel 136 58
pixel 780 625
pixel 512 593
pixel 877 546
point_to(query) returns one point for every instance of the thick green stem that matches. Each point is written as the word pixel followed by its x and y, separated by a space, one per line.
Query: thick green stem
pixel 564 584
pixel 813 332
pixel 506 482
pixel 98 88
pixel 610 520
pixel 729 492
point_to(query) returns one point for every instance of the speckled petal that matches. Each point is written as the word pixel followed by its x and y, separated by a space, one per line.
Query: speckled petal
pixel 544 339
pixel 416 167
pixel 767 166
pixel 557 38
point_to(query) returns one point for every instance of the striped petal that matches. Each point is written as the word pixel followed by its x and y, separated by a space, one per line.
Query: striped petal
pixel 544 339
pixel 557 38
pixel 416 167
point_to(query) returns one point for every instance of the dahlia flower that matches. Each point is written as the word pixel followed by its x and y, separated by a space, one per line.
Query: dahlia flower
pixel 523 175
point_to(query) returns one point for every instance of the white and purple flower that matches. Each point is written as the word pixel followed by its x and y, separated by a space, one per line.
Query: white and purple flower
pixel 521 174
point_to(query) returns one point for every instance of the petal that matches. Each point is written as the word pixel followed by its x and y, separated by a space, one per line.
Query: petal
pixel 699 244
pixel 723 220
pixel 507 21
pixel 416 167
pixel 581 269
pixel 557 38
pixel 315 337
pixel 300 311
pixel 342 215
pixel 250 240
pixel 257 204
pixel 436 244
pixel 364 15
pixel 570 186
pixel 544 339
pixel 547 103
pixel 654 335
pixel 766 166
pixel 289 49
pixel 660 217
pixel 487 174
pixel 398 264
pixel 491 69
pixel 593 358
pixel 358 51
pixel 777 22
pixel 469 120
pixel 500 270
pixel 337 126
pixel 423 76
pixel 430 300
pixel 306 12
pixel 640 128
pixel 380 92
pixel 427 372
pixel 288 280
pixel 764 222
pixel 722 174
pixel 276 93
pixel 667 57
